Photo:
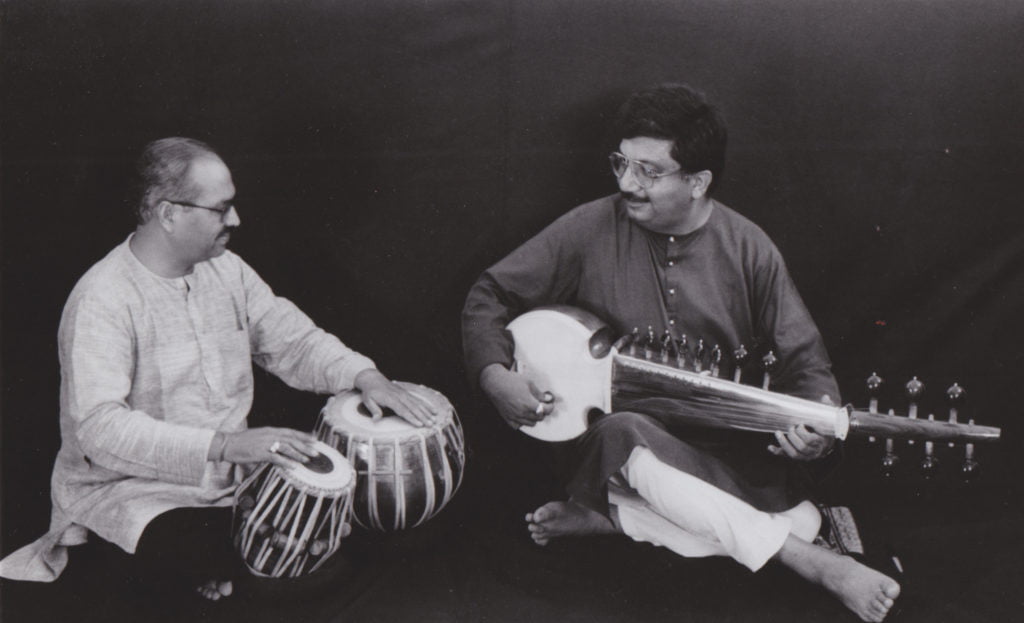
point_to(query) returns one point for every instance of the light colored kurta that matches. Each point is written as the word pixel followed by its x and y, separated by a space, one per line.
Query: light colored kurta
pixel 151 368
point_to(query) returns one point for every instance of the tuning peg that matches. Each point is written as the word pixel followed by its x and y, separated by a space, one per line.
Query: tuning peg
pixel 969 470
pixel 874 383
pixel 890 461
pixel 649 343
pixel 769 362
pixel 667 343
pixel 930 463
pixel 914 389
pixel 698 355
pixel 634 341
pixel 682 347
pixel 955 394
pixel 740 356
pixel 716 360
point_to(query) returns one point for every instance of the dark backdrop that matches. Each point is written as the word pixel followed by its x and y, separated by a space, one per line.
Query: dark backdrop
pixel 386 153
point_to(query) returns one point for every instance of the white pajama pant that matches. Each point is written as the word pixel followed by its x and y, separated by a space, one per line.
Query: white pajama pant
pixel 670 508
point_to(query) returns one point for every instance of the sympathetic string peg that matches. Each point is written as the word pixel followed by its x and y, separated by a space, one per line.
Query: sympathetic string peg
pixel 716 360
pixel 874 383
pixel 890 461
pixel 682 347
pixel 955 394
pixel 698 355
pixel 769 362
pixel 667 343
pixel 740 356
pixel 914 389
pixel 930 463
pixel 649 343
pixel 970 468
pixel 634 341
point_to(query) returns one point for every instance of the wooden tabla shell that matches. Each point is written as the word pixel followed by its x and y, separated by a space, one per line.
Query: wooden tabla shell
pixel 405 474
pixel 289 521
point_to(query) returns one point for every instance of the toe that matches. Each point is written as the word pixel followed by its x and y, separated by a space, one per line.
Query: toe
pixel 542 514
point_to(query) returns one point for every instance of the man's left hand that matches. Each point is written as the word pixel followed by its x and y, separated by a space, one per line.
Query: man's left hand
pixel 379 393
pixel 801 443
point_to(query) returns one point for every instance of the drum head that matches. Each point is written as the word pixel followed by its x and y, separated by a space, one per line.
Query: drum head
pixel 328 472
pixel 347 412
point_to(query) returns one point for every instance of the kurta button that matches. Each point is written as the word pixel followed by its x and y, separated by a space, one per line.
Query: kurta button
pixel 672 291
pixel 671 238
pixel 672 322
pixel 671 263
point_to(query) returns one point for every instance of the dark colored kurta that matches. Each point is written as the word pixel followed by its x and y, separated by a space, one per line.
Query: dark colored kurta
pixel 725 283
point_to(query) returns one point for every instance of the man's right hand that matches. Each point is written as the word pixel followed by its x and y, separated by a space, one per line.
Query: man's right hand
pixel 281 446
pixel 518 400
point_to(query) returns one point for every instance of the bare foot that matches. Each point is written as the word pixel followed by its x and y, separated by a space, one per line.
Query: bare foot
pixel 556 519
pixel 214 589
pixel 868 593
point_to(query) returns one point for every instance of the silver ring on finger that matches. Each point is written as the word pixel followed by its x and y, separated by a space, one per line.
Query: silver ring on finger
pixel 274 447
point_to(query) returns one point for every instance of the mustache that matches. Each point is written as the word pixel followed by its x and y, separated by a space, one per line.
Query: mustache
pixel 632 197
pixel 226 231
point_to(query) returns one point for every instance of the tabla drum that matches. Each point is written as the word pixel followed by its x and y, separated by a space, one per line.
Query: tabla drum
pixel 289 521
pixel 405 474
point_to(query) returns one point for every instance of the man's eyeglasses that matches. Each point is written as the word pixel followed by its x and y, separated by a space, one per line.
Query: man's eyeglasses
pixel 644 174
pixel 221 210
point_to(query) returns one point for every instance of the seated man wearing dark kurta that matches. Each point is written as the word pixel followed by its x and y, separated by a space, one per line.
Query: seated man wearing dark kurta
pixel 663 252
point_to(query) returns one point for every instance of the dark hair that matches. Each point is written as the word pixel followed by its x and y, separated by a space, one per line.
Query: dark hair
pixel 162 172
pixel 681 114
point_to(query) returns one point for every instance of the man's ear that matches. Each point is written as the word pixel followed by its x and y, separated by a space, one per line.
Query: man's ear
pixel 165 214
pixel 701 182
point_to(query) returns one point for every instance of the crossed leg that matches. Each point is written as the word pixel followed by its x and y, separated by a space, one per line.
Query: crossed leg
pixel 694 518
pixel 193 545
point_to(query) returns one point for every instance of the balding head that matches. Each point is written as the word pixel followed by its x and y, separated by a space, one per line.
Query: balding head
pixel 163 172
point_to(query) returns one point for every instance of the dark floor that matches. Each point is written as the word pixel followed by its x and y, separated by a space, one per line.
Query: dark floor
pixel 960 548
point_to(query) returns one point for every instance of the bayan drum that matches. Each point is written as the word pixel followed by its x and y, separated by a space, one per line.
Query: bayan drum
pixel 405 474
pixel 289 521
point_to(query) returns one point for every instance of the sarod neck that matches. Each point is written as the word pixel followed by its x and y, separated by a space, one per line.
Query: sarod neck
pixel 703 400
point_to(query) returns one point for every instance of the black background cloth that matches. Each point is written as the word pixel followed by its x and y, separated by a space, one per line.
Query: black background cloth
pixel 386 153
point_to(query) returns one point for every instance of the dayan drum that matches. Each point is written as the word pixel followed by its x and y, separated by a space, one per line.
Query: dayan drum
pixel 288 522
pixel 405 474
